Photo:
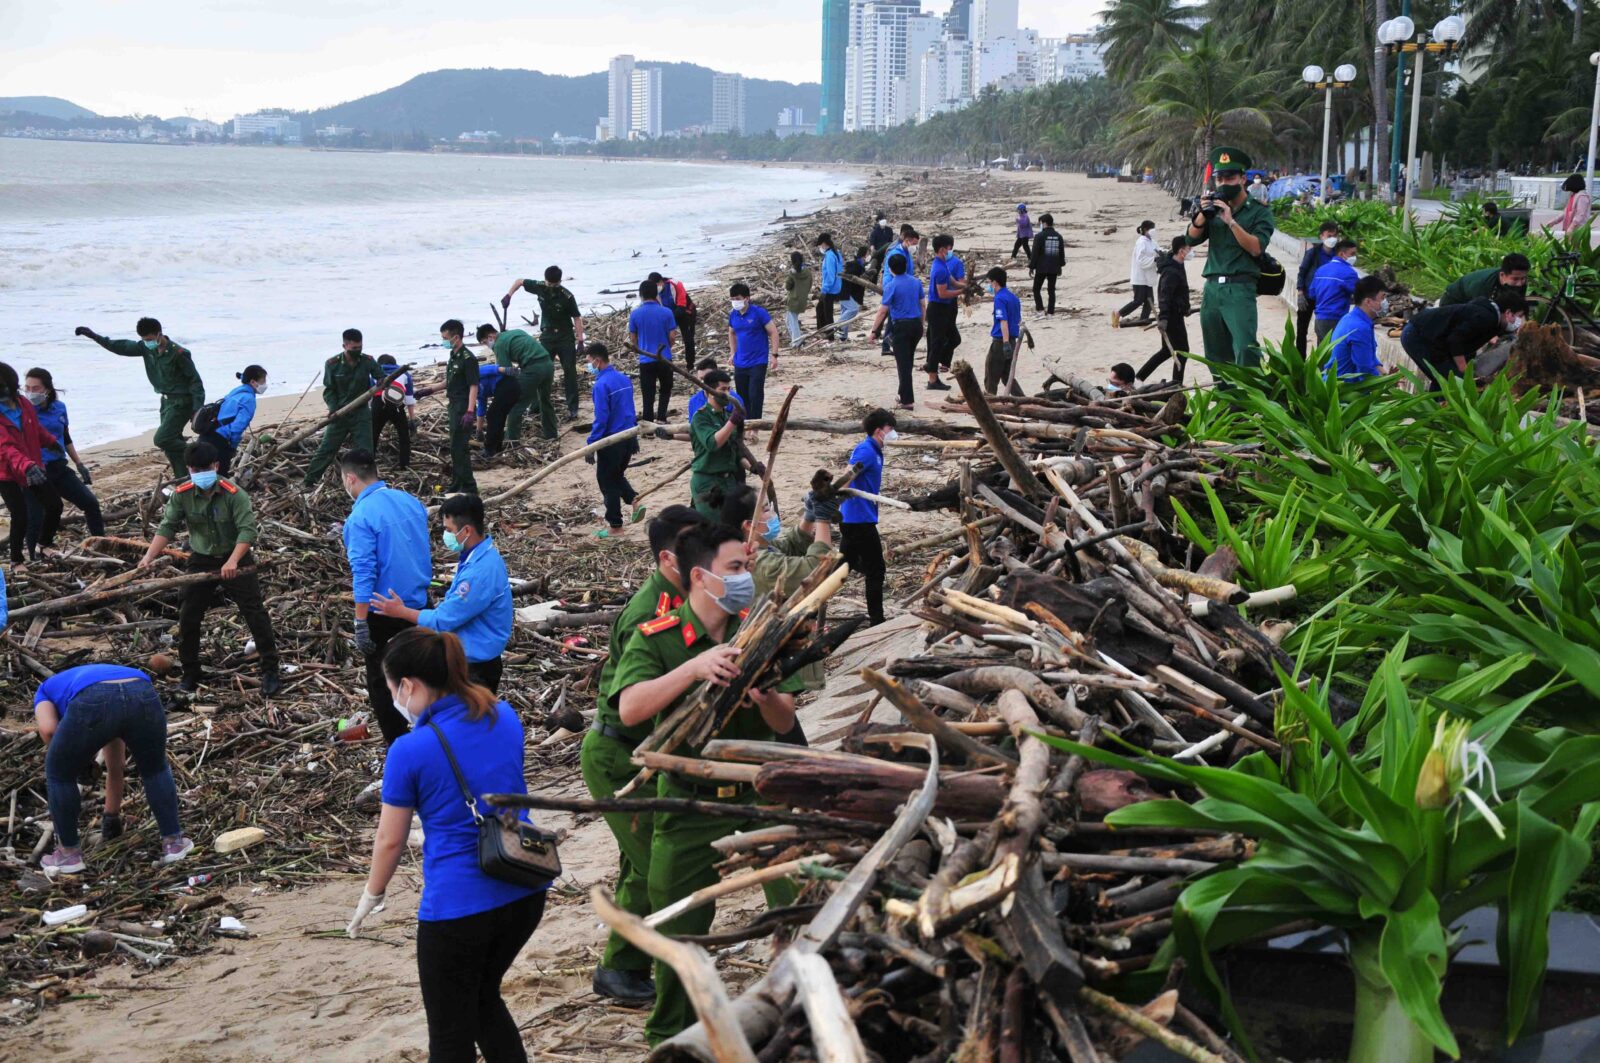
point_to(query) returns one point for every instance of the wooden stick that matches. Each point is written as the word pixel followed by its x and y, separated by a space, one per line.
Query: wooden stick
pixel 999 442
pixel 834 1036
pixel 881 500
pixel 566 459
pixel 925 719
pixel 773 439
pixel 1141 1023
pixel 648 491
pixel 349 407
pixel 93 599
pixel 758 877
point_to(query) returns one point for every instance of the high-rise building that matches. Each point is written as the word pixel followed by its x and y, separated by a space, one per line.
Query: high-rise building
pixel 727 103
pixel 791 122
pixel 1076 57
pixel 992 19
pixel 271 126
pixel 835 41
pixel 619 96
pixel 922 32
pixel 946 76
pixel 993 62
pixel 877 62
pixel 958 20
pixel 646 102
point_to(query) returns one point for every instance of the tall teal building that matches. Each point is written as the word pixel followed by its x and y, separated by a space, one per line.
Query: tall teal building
pixel 835 39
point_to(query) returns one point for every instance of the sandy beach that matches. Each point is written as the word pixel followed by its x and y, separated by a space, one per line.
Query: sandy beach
pixel 285 993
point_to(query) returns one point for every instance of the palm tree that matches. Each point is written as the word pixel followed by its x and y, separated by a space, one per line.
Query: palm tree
pixel 1137 32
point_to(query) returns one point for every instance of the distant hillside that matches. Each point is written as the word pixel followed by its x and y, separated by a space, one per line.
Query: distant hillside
pixel 48 106
pixel 527 103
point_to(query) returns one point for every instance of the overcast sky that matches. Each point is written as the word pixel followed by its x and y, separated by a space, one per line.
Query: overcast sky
pixel 215 58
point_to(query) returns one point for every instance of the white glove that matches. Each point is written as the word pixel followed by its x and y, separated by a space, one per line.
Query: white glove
pixel 368 905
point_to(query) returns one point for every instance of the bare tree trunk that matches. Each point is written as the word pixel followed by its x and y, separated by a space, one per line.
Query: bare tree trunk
pixel 1379 77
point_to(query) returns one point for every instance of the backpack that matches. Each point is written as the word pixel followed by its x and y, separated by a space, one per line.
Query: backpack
pixel 1272 278
pixel 205 418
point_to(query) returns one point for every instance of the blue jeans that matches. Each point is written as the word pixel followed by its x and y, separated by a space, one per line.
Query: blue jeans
pixel 751 384
pixel 791 319
pixel 848 309
pixel 100 714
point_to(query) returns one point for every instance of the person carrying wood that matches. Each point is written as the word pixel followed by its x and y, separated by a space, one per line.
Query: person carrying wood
pixel 715 435
pixel 665 661
pixel 395 405
pixel 859 541
pixel 461 395
pixel 623 973
pixel 222 527
pixel 170 370
pixel 561 332
pixel 346 377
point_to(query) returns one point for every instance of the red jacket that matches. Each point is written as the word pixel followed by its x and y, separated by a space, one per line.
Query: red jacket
pixel 20 447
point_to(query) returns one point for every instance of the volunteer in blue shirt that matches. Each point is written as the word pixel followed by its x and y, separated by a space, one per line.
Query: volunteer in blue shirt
pixel 704 366
pixel 653 329
pixel 832 281
pixel 613 412
pixel 1316 256
pixel 947 280
pixel 903 306
pixel 82 710
pixel 859 544
pixel 470 926
pixel 1004 333
pixel 40 389
pixel 1333 287
pixel 905 248
pixel 753 339
pixel 386 543
pixel 488 378
pixel 1355 346
pixel 234 414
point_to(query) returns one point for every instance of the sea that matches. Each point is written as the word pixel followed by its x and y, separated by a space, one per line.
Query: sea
pixel 265 255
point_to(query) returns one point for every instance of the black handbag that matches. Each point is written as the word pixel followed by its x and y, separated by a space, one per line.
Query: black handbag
pixel 508 849
pixel 1272 277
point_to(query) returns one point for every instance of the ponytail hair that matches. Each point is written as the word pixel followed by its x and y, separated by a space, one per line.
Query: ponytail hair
pixel 251 374
pixel 436 660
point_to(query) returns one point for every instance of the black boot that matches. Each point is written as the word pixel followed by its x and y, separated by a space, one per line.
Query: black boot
pixel 632 988
pixel 270 684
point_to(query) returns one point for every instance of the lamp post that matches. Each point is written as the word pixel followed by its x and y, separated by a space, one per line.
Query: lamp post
pixel 1594 121
pixel 1399 36
pixel 1313 76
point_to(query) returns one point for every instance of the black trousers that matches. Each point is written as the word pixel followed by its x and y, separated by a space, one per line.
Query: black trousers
pixel 655 378
pixel 862 549
pixel 64 484
pixel 686 324
pixel 244 591
pixel 225 451
pixel 460 964
pixel 944 336
pixel 25 508
pixel 487 673
pixel 388 413
pixel 1178 337
pixel 1044 280
pixel 507 393
pixel 904 335
pixel 611 473
pixel 1143 300
pixel 390 722
pixel 1434 366
pixel 1024 245
pixel 1303 315
pixel 997 366
pixel 825 311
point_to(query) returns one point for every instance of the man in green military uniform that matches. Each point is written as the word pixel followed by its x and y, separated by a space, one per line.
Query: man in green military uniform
pixel 664 663
pixel 560 330
pixel 1511 274
pixel 624 971
pixel 222 527
pixel 346 377
pixel 715 435
pixel 171 371
pixel 1239 229
pixel 524 361
pixel 461 398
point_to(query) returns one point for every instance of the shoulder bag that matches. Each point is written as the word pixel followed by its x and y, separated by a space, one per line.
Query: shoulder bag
pixel 508 849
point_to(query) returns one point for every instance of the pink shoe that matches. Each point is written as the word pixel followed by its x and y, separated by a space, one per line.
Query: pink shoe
pixel 175 848
pixel 63 861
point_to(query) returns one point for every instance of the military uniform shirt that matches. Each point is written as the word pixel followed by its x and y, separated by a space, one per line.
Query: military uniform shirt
pixel 1479 284
pixel 557 308
pixel 171 372
pixel 460 373
pixel 218 519
pixel 657 597
pixel 710 459
pixel 1226 257
pixel 344 381
pixel 516 347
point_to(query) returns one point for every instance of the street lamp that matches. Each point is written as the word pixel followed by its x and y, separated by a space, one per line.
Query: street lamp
pixel 1399 35
pixel 1313 76
pixel 1594 120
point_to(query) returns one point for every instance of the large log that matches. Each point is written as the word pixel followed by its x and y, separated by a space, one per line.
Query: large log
pixel 873 790
pixel 999 442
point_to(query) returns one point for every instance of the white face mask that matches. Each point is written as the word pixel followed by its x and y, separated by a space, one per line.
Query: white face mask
pixel 406 710
pixel 1351 260
pixel 892 436
pixel 739 305
pixel 1330 242
pixel 1514 324
pixel 1383 307
pixel 260 388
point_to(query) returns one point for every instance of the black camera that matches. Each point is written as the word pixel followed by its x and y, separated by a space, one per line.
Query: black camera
pixel 1208 202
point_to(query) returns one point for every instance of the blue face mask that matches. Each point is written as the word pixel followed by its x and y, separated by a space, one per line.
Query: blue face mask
pixel 451 543
pixel 738 591
pixel 152 344
pixel 205 481
pixel 588 367
pixel 774 527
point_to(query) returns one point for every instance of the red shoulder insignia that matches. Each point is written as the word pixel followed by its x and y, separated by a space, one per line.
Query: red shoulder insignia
pixel 228 487
pixel 659 624
pixel 743 613
pixel 690 635
pixel 677 601
pixel 181 488
pixel 664 604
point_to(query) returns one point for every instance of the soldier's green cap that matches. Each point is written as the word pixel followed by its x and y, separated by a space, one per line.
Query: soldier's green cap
pixel 1226 159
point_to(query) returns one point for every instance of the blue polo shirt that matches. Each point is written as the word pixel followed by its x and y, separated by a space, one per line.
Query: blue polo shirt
pixel 751 343
pixel 899 248
pixel 869 455
pixel 1332 288
pixel 53 419
pixel 488 377
pixel 386 542
pixel 417 774
pixel 943 271
pixel 62 687
pixel 1355 347
pixel 653 324
pixel 1007 308
pixel 477 608
pixel 903 296
pixel 698 399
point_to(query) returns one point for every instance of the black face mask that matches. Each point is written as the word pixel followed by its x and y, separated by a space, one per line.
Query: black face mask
pixel 1230 192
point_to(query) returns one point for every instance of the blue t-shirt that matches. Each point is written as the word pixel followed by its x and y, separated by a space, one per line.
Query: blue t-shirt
pixel 751 343
pixel 488 377
pixel 944 271
pixel 653 324
pixel 903 296
pixel 62 687
pixel 869 455
pixel 417 774
pixel 1007 308
pixel 53 419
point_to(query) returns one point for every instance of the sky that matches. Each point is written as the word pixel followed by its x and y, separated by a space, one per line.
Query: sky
pixel 215 58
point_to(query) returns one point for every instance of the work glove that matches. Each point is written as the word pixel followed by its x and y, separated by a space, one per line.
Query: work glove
pixel 364 641
pixel 35 476
pixel 83 474
pixel 505 301
pixel 368 905
pixel 662 432
pixel 588 459
pixel 511 370
pixel 736 414
pixel 825 509
pixel 469 420
pixel 757 469
pixel 83 330
pixel 806 504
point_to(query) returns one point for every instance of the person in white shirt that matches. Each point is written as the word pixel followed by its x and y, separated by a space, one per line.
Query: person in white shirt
pixel 1142 275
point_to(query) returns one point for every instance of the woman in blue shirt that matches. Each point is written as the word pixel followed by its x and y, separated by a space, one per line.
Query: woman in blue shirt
pixel 904 305
pixel 237 410
pixel 79 712
pixel 40 388
pixel 753 339
pixel 470 927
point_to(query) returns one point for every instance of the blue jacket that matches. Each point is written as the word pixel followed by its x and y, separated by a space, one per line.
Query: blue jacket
pixel 832 270
pixel 477 608
pixel 238 409
pixel 869 455
pixel 386 541
pixel 1315 257
pixel 1355 347
pixel 488 377
pixel 613 404
pixel 53 419
pixel 5 607
pixel 1332 289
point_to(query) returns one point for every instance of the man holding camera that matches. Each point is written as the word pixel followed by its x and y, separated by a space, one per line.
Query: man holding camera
pixel 1239 230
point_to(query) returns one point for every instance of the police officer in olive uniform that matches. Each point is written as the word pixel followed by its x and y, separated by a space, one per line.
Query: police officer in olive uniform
pixel 561 332
pixel 624 970
pixel 1239 229
pixel 665 662
pixel 170 369
pixel 461 395
pixel 222 527
pixel 715 433
pixel 346 377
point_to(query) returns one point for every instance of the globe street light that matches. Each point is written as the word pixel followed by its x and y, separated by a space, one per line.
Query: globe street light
pixel 1399 35
pixel 1313 76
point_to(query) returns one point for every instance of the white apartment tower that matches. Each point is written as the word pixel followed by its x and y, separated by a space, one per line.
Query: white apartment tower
pixel 946 77
pixel 878 62
pixel 619 97
pixel 993 19
pixel 646 102
pixel 727 103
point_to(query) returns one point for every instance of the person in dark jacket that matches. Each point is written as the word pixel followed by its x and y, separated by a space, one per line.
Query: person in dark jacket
pixel 1443 339
pixel 23 480
pixel 1049 257
pixel 39 388
pixel 1172 303
pixel 1316 255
